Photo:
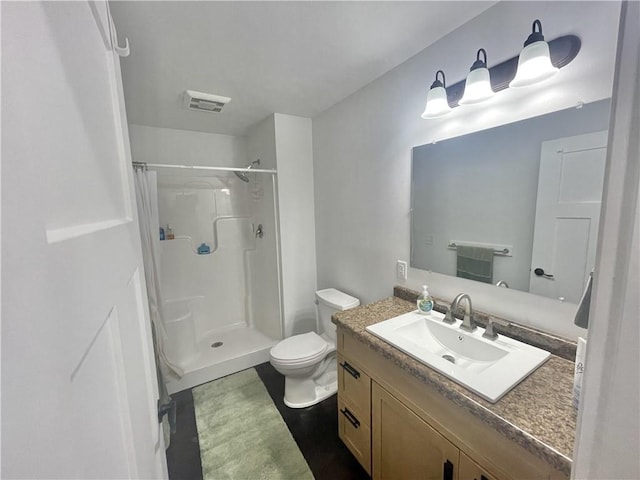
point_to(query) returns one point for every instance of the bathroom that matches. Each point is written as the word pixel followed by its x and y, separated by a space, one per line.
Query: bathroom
pixel 341 202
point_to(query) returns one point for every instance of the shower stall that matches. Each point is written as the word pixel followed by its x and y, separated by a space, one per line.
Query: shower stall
pixel 217 268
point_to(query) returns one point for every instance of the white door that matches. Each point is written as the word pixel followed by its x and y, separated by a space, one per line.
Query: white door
pixel 79 389
pixel 567 214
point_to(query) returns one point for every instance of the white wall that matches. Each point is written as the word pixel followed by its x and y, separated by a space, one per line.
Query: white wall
pixel 284 142
pixel 183 147
pixel 297 226
pixel 362 149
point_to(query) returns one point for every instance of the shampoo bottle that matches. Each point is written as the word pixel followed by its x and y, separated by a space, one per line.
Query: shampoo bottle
pixel 425 302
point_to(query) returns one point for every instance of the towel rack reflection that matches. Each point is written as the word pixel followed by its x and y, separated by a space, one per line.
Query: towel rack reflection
pixel 501 251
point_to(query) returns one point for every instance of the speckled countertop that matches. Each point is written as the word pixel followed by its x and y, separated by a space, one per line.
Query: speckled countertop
pixel 537 414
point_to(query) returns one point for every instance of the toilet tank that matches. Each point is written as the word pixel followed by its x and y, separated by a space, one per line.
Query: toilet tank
pixel 330 301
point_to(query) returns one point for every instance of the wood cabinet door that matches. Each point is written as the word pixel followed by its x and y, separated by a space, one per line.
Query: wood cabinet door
pixel 470 470
pixel 405 446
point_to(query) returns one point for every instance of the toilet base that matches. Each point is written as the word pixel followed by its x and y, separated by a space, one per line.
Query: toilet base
pixel 304 392
pixel 320 393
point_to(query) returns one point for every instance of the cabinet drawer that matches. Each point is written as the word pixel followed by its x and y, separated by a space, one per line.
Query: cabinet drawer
pixel 354 386
pixel 355 433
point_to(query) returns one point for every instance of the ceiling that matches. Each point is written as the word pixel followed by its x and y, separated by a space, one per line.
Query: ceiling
pixel 297 58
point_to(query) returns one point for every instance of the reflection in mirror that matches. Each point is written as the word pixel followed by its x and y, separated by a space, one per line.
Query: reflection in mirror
pixel 532 187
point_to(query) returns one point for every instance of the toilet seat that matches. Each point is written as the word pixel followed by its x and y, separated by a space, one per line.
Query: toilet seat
pixel 300 349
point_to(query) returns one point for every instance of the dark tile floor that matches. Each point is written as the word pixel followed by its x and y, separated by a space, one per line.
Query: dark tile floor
pixel 315 429
pixel 183 454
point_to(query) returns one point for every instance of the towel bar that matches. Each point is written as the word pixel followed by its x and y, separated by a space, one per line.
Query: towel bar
pixel 504 251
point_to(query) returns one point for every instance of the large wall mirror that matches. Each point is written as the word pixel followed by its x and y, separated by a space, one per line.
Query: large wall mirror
pixel 518 203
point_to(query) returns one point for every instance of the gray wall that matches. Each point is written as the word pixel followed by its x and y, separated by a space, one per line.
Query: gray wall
pixel 362 150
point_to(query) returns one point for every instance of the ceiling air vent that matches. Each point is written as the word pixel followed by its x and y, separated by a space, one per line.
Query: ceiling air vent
pixel 204 102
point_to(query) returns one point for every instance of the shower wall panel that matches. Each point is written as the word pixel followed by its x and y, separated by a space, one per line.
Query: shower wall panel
pixel 265 286
pixel 215 211
pixel 265 276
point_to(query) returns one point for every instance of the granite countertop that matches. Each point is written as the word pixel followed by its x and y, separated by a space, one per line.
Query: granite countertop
pixel 537 414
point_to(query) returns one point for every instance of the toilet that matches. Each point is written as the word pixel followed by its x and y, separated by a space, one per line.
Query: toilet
pixel 308 360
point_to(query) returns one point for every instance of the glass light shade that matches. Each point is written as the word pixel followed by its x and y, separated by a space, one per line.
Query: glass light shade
pixel 477 87
pixel 534 65
pixel 437 104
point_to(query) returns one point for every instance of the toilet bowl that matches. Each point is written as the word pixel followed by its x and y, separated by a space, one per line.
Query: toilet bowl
pixel 308 360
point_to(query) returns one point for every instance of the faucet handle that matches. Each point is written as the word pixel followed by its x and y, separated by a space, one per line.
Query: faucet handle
pixel 490 332
pixel 449 317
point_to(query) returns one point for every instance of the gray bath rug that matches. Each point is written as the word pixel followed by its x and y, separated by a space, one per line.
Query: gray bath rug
pixel 242 436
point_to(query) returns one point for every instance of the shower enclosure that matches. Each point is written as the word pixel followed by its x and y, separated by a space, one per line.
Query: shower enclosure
pixel 219 270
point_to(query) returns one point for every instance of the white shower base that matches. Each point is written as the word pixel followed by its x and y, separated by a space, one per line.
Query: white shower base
pixel 241 348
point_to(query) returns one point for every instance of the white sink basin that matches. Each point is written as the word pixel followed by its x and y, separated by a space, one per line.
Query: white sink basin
pixel 489 368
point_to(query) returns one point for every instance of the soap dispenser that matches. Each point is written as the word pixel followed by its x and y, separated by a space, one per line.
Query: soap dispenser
pixel 425 302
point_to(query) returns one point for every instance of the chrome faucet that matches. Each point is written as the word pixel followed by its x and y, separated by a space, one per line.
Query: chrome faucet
pixel 502 283
pixel 468 323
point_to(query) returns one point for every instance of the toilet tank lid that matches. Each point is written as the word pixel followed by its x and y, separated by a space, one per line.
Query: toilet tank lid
pixel 336 299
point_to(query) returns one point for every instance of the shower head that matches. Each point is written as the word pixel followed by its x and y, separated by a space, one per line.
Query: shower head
pixel 243 175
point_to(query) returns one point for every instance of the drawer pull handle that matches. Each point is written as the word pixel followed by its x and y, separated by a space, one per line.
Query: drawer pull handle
pixel 352 371
pixel 447 471
pixel 354 421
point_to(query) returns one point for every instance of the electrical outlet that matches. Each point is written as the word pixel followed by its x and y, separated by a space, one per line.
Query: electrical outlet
pixel 401 270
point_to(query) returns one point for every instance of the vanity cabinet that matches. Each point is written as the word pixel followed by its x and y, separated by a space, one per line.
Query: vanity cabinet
pixel 354 409
pixel 400 428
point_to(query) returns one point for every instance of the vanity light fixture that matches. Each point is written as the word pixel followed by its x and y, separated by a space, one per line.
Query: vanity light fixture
pixel 478 84
pixel 437 102
pixel 538 61
pixel 534 62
